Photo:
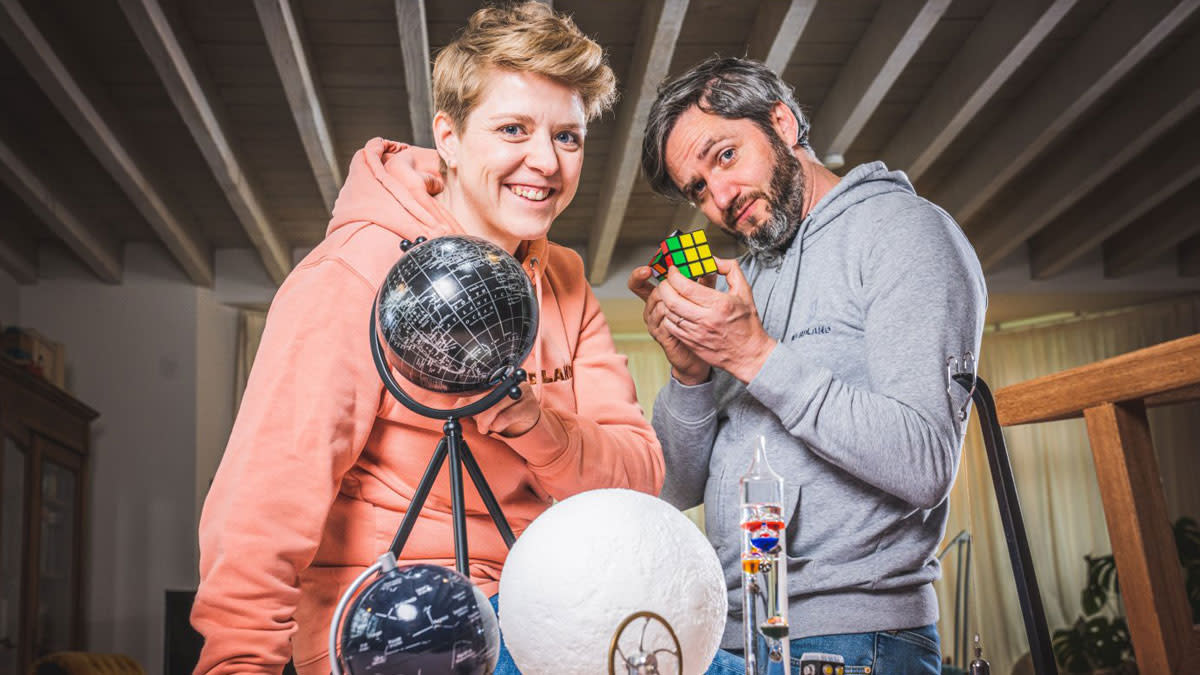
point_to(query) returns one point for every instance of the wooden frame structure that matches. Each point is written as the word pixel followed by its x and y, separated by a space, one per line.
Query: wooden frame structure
pixel 1112 396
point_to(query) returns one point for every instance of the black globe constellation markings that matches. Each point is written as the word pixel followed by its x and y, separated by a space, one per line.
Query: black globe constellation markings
pixel 418 616
pixel 454 310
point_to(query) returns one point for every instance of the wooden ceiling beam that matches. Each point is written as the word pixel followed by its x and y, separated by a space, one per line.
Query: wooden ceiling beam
pixel 187 86
pixel 18 257
pixel 998 46
pixel 414 49
pixel 1189 258
pixel 1147 110
pixel 778 27
pixel 1151 236
pixel 285 37
pixel 895 34
pixel 83 103
pixel 87 239
pixel 661 22
pixel 1119 40
pixel 1170 168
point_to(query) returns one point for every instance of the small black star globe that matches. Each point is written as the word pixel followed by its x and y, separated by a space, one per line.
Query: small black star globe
pixel 420 619
pixel 455 313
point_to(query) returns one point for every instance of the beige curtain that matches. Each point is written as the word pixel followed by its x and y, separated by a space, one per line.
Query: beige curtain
pixel 249 334
pixel 647 366
pixel 1056 479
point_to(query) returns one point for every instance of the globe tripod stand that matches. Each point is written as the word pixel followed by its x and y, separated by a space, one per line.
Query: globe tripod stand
pixel 454 446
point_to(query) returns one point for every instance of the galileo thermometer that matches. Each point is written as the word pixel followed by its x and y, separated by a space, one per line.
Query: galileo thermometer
pixel 764 569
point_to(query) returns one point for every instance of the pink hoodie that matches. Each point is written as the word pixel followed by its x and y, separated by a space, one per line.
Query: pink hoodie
pixel 322 462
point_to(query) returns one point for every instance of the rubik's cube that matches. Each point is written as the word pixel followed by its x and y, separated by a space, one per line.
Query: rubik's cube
pixel 688 251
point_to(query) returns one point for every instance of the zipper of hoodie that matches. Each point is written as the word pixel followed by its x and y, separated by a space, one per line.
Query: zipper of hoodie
pixel 796 281
pixel 798 244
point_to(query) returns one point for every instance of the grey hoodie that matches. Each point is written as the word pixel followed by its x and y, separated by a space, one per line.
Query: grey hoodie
pixel 878 289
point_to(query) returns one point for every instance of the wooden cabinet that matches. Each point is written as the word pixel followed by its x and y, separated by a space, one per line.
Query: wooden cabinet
pixel 43 518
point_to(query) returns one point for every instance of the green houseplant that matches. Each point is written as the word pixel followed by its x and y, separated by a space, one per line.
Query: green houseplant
pixel 1098 641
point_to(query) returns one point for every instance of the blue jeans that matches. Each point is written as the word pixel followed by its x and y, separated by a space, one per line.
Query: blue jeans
pixel 916 651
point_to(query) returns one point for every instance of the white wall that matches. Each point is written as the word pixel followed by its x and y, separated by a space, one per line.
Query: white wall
pixel 154 355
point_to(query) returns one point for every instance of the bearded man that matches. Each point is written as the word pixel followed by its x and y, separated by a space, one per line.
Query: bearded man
pixel 830 338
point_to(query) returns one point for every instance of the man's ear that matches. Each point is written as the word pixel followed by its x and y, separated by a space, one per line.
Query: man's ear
pixel 446 139
pixel 785 123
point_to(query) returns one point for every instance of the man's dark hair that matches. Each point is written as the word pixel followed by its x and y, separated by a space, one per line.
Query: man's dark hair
pixel 733 88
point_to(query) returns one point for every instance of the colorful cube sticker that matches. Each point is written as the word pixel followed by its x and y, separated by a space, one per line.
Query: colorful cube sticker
pixel 688 251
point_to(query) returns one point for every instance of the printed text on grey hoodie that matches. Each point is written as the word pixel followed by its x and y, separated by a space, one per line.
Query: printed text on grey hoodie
pixel 877 290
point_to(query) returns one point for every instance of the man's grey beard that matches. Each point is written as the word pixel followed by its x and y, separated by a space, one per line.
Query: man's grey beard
pixel 786 201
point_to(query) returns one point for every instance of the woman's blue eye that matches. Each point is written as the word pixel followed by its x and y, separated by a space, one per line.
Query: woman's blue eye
pixel 510 129
pixel 727 155
pixel 567 137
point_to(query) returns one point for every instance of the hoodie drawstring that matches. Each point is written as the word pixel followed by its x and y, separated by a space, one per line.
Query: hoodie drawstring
pixel 537 342
pixel 796 281
pixel 755 265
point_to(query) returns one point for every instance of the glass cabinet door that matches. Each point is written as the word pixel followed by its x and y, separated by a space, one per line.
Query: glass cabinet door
pixel 12 519
pixel 56 569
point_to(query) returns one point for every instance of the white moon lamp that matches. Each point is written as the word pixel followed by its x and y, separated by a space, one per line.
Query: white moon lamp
pixel 591 561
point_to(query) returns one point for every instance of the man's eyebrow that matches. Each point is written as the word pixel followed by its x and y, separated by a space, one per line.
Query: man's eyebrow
pixel 708 146
pixel 704 150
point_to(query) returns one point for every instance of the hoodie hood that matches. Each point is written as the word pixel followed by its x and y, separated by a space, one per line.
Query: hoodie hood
pixel 393 185
pixel 863 182
pixel 859 184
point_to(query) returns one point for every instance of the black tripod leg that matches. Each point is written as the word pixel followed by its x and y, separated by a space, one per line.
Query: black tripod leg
pixel 1036 628
pixel 966 651
pixel 454 442
pixel 485 493
pixel 418 500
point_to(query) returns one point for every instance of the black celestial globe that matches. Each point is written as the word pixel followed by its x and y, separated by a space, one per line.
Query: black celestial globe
pixel 455 314
pixel 422 619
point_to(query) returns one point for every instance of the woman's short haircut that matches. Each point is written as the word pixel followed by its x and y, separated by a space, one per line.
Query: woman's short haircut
pixel 732 88
pixel 526 37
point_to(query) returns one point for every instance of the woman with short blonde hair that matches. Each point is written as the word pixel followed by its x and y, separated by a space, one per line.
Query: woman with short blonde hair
pixel 322 464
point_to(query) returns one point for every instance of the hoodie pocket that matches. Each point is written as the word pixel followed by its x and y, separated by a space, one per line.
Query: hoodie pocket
pixel 320 590
pixel 717 521
pixel 797 557
pixel 791 506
